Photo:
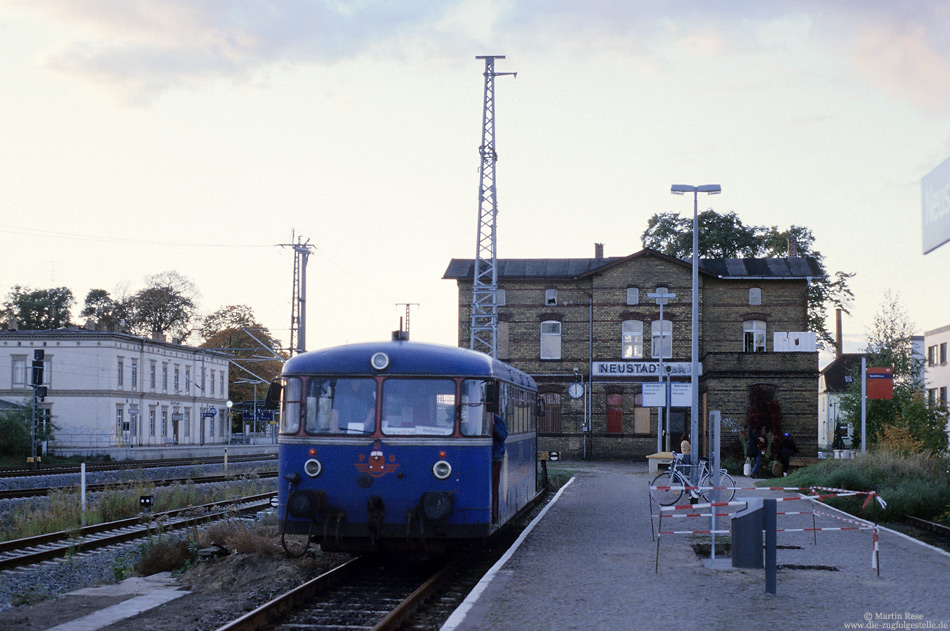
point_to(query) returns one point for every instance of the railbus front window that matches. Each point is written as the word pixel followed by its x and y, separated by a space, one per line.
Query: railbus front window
pixel 475 422
pixel 418 407
pixel 341 406
pixel 290 404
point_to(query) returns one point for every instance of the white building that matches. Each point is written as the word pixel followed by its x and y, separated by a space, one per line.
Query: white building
pixel 117 390
pixel 936 368
pixel 834 381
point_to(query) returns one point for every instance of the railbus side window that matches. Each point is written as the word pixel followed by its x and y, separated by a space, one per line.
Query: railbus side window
pixel 475 419
pixel 290 405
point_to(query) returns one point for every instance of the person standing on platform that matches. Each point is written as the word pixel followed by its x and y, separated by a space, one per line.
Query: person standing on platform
pixel 686 449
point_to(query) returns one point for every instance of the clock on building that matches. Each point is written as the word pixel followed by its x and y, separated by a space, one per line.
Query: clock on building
pixel 576 390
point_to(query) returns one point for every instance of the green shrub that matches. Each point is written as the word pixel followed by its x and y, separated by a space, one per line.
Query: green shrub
pixel 916 485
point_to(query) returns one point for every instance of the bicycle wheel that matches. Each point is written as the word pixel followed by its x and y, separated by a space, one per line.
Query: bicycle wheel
pixel 666 496
pixel 725 480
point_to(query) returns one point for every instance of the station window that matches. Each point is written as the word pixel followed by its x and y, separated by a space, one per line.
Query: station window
pixel 753 336
pixel 631 343
pixel 755 296
pixel 551 340
pixel 550 297
pixel 633 296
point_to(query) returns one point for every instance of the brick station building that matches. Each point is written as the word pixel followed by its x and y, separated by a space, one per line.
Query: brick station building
pixel 590 334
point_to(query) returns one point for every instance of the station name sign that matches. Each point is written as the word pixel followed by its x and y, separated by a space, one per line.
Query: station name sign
pixel 641 369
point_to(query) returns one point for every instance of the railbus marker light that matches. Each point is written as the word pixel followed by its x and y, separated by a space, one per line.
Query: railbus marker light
pixel 312 467
pixel 442 469
pixel 379 361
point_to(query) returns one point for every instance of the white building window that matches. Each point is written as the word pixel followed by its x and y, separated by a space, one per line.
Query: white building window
pixel 151 421
pixel 176 382
pixel 221 383
pixel 631 344
pixel 753 336
pixel 120 372
pixel 755 296
pixel 134 370
pixel 188 379
pixel 501 297
pixel 186 419
pixel 633 296
pixel 550 297
pixel 164 377
pixel 662 339
pixel 212 382
pixel 19 372
pixel 551 340
pixel 151 375
pixel 164 422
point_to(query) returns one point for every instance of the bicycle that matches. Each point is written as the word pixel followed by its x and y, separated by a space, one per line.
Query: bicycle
pixel 667 494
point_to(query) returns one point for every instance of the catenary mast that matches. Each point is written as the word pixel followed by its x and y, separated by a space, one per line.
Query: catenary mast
pixel 484 330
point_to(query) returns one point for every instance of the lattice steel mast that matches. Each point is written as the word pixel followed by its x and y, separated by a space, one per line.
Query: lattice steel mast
pixel 484 331
pixel 298 312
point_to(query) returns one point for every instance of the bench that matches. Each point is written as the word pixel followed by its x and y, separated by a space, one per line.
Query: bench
pixel 662 458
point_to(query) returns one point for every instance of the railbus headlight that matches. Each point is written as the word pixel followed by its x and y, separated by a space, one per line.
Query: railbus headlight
pixel 442 469
pixel 312 467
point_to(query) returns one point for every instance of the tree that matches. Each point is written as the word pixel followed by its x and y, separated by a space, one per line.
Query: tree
pixel 725 236
pixel 39 309
pixel 165 307
pixel 890 344
pixel 15 430
pixel 109 314
pixel 235 330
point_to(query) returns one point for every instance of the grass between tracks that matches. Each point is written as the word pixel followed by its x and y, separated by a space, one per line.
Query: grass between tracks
pixel 62 509
pixel 911 484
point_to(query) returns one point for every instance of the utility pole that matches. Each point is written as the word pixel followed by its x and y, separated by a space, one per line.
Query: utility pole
pixel 407 305
pixel 298 315
pixel 484 331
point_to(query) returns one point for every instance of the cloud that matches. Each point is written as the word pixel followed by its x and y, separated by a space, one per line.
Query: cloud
pixel 143 47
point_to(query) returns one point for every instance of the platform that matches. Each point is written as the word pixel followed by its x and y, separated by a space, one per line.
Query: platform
pixel 588 563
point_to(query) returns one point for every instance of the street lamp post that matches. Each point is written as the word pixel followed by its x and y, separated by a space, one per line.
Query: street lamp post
pixel 680 189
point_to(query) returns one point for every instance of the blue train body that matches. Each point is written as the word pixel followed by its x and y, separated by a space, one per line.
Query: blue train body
pixel 389 444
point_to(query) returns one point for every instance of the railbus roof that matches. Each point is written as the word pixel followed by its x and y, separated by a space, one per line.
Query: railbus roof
pixel 405 358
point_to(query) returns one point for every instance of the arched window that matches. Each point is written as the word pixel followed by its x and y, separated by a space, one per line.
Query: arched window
pixel 755 296
pixel 631 344
pixel 665 340
pixel 753 336
pixel 551 340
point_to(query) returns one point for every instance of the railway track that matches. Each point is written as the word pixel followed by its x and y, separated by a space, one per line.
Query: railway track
pixel 363 593
pixel 50 469
pixel 383 594
pixel 97 488
pixel 23 552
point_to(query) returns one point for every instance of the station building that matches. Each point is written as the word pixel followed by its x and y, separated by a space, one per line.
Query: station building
pixel 109 390
pixel 590 333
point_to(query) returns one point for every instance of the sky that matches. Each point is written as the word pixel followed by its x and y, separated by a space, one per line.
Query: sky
pixel 144 136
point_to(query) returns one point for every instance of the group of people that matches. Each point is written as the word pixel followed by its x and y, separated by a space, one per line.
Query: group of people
pixel 756 446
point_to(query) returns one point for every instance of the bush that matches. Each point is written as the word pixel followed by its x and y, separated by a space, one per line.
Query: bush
pixel 916 485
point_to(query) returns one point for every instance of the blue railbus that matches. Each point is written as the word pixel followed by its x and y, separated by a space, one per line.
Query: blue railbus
pixel 389 445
